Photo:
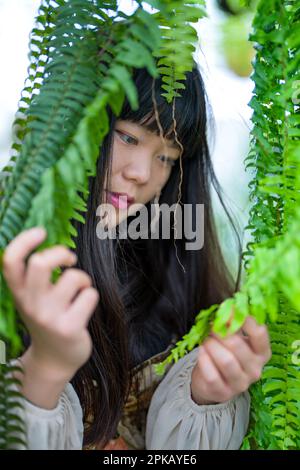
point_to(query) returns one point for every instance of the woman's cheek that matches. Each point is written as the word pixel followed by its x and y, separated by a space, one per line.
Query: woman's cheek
pixel 162 175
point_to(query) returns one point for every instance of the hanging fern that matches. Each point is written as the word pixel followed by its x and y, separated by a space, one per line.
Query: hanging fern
pixel 178 42
pixel 271 291
pixel 82 60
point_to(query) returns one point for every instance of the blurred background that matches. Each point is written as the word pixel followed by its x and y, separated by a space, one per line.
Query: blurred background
pixel 224 55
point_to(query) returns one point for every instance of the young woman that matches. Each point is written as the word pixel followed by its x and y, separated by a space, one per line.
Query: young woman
pixel 95 335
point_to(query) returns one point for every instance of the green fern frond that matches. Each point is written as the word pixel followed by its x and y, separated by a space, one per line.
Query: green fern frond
pixel 275 409
pixel 38 56
pixel 50 126
pixel 179 40
pixel 8 319
pixel 12 428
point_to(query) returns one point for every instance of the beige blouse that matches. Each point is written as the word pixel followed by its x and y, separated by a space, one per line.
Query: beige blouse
pixel 168 420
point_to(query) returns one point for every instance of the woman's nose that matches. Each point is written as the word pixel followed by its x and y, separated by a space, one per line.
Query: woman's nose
pixel 139 169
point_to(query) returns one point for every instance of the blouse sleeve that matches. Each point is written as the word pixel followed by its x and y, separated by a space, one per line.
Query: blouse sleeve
pixel 58 429
pixel 176 422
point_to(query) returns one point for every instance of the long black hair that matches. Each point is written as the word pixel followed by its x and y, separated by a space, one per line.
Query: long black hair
pixel 149 289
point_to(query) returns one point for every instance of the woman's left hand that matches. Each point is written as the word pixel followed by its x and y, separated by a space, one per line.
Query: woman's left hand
pixel 227 367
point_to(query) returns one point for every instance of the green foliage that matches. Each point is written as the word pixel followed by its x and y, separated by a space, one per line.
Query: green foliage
pixel 12 429
pixel 271 290
pixel 82 60
pixel 178 41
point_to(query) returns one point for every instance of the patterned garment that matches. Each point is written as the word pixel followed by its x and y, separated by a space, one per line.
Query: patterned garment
pixel 132 426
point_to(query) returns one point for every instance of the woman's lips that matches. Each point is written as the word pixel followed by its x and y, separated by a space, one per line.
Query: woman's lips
pixel 118 200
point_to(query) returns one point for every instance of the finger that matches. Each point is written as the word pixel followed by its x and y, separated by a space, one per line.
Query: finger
pixel 17 250
pixel 258 338
pixel 69 283
pixel 83 307
pixel 227 365
pixel 211 376
pixel 242 334
pixel 40 266
pixel 243 353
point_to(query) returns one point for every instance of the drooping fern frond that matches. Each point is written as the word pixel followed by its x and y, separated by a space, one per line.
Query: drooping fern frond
pixel 38 56
pixel 84 60
pixel 276 116
pixel 179 40
pixel 12 428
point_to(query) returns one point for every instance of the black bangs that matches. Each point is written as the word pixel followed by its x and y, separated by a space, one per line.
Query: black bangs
pixel 189 107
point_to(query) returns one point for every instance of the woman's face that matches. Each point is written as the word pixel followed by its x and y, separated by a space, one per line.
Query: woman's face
pixel 141 166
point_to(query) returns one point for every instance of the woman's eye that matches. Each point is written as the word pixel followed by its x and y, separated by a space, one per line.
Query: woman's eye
pixel 130 140
pixel 124 136
pixel 167 160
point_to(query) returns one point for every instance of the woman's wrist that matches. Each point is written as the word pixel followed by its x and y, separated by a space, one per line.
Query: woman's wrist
pixel 42 383
pixel 199 400
pixel 56 370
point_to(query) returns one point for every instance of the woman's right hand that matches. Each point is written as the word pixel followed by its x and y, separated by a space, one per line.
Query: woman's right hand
pixel 56 320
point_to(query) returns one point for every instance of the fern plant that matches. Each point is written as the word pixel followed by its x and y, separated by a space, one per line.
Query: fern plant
pixel 82 55
pixel 271 290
